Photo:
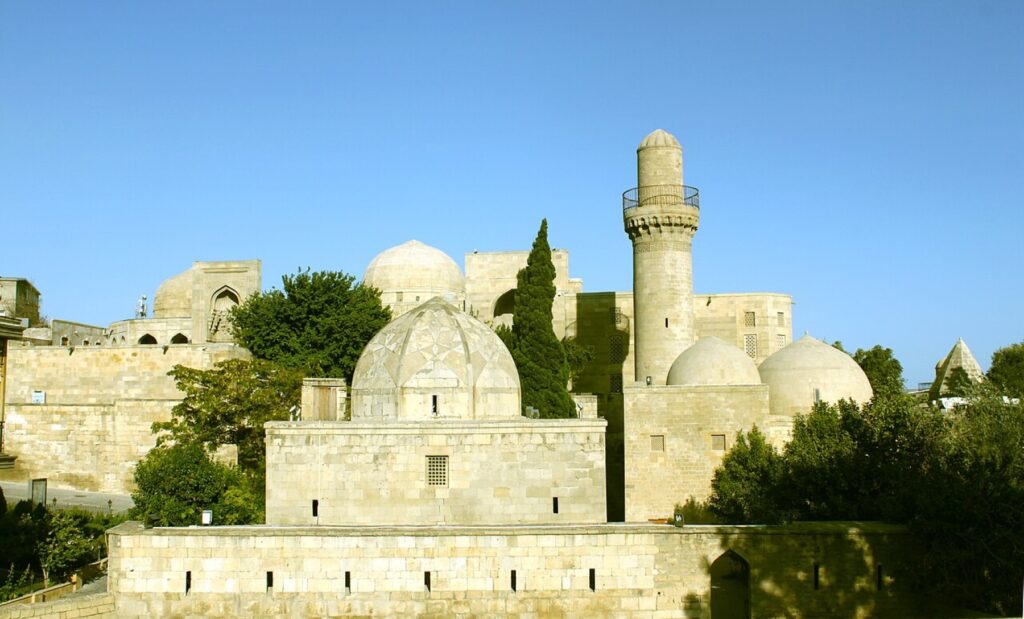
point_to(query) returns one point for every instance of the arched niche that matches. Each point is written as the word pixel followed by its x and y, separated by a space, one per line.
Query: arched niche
pixel 147 339
pixel 179 338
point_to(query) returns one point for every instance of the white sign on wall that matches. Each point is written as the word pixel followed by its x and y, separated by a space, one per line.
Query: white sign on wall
pixel 38 397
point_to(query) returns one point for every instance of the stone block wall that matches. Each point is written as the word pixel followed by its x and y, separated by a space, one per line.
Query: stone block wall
pixel 676 436
pixel 377 473
pixel 727 316
pixel 600 570
pixel 98 605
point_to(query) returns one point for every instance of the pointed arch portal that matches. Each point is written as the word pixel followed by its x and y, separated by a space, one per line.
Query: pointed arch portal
pixel 730 587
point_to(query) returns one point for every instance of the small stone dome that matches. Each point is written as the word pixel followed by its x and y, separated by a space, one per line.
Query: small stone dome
pixel 174 297
pixel 712 361
pixel 411 273
pixel 435 362
pixel 809 370
pixel 659 137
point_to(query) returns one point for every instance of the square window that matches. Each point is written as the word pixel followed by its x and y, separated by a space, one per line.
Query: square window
pixel 749 319
pixel 718 442
pixel 657 442
pixel 437 470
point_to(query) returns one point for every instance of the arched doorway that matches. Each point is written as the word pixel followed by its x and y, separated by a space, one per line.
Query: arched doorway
pixel 222 302
pixel 730 587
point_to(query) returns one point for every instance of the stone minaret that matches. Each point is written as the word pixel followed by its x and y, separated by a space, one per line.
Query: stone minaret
pixel 661 217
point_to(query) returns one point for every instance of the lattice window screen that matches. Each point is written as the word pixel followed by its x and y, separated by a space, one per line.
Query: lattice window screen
pixel 437 470
pixel 750 345
pixel 749 319
pixel 780 340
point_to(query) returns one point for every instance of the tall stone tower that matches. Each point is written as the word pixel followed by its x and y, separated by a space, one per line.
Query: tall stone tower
pixel 661 216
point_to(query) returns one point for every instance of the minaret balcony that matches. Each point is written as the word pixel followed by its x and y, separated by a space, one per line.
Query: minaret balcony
pixel 660 195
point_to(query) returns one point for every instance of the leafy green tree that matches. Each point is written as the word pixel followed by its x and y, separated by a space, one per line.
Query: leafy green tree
pixel 64 547
pixel 228 405
pixel 539 357
pixel 959 384
pixel 743 488
pixel 176 483
pixel 578 357
pixel 1007 370
pixel 884 371
pixel 318 324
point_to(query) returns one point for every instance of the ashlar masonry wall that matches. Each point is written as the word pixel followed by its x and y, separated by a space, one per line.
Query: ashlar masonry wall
pixel 436 472
pixel 676 436
pixel 593 571
pixel 98 406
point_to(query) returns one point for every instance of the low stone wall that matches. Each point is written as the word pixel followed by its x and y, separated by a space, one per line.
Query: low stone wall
pixel 99 605
pixel 807 570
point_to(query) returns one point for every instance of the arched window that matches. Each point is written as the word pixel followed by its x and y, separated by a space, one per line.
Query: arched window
pixel 505 304
pixel 64 340
pixel 179 338
pixel 147 339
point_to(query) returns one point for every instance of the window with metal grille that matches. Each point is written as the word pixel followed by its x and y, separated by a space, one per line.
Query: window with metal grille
pixel 437 470
pixel 781 316
pixel 749 319
pixel 750 345
pixel 718 442
pixel 616 349
pixel 780 340
pixel 615 383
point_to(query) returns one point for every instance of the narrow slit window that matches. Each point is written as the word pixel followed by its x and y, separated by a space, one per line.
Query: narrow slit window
pixel 513 579
pixel 666 323
pixel 270 581
pixel 316 508
pixel 554 505
pixel 879 577
pixel 433 405
pixel 188 581
pixel 426 580
pixel 817 576
pixel 593 579
pixel 348 582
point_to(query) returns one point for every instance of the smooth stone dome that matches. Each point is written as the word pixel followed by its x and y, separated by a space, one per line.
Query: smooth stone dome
pixel 712 361
pixel 435 362
pixel 414 266
pixel 173 298
pixel 659 137
pixel 808 370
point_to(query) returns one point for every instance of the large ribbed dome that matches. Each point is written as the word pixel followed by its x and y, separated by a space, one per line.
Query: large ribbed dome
pixel 435 361
pixel 174 297
pixel 712 361
pixel 659 137
pixel 413 272
pixel 809 370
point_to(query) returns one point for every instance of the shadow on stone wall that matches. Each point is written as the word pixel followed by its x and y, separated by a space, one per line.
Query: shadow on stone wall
pixel 811 570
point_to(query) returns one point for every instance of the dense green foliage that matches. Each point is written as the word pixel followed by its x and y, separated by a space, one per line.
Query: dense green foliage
pixel 318 324
pixel 956 478
pixel 1007 370
pixel 539 356
pixel 884 371
pixel 176 483
pixel 228 405
pixel 40 542
pixel 745 479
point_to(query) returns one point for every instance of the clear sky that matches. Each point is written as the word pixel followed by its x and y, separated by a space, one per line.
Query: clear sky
pixel 864 157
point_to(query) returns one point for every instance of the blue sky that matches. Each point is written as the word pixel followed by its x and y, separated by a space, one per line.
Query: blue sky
pixel 864 157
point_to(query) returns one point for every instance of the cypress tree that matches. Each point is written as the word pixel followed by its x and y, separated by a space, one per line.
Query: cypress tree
pixel 539 356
